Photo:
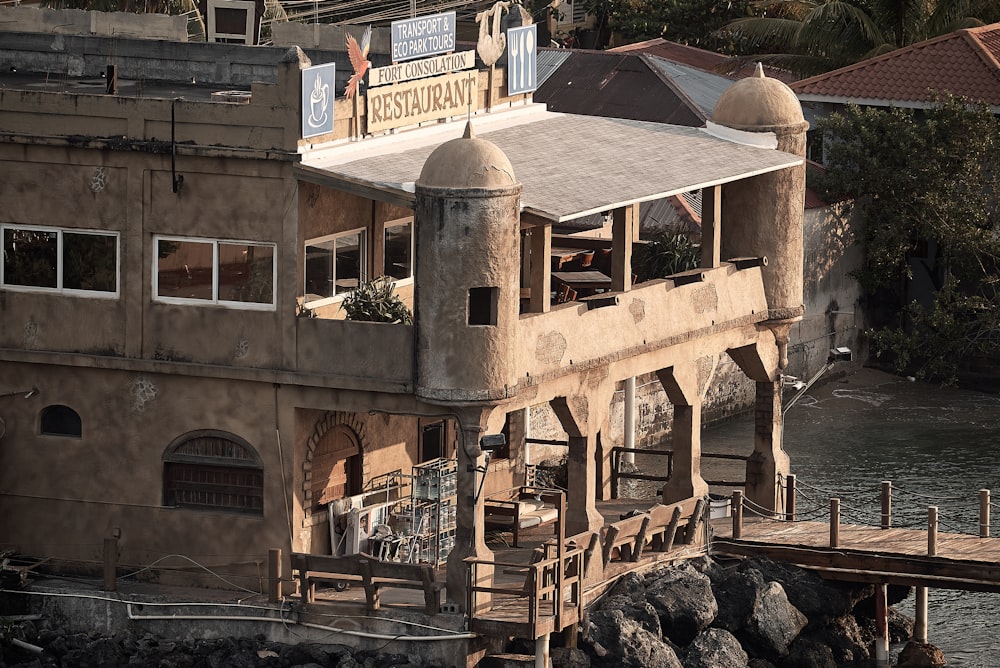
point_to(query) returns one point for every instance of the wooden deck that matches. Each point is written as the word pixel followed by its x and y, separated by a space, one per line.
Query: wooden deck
pixel 868 554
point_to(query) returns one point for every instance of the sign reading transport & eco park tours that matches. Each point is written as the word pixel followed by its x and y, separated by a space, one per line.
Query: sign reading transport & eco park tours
pixel 423 36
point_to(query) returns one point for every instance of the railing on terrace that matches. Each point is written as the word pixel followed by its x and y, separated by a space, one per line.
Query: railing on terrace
pixel 877 510
pixel 617 475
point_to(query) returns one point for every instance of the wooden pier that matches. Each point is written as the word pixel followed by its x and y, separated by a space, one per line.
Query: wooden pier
pixel 867 554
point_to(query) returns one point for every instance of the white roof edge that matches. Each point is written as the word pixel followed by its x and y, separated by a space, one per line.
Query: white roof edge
pixel 428 135
pixel 758 139
pixel 670 193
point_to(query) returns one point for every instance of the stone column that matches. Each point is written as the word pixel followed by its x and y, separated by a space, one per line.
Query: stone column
pixel 684 388
pixel 469 513
pixel 768 460
pixel 581 507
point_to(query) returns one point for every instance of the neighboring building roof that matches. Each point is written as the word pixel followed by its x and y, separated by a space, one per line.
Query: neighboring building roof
pixel 703 88
pixel 965 62
pixel 599 83
pixel 678 53
pixel 570 166
pixel 707 61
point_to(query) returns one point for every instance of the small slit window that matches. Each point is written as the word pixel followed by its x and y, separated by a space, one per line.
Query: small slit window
pixel 483 306
pixel 61 420
pixel 213 471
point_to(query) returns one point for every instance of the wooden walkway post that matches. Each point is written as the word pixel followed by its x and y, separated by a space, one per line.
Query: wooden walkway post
pixel 110 564
pixel 790 497
pixel 737 513
pixel 881 625
pixel 932 530
pixel 834 522
pixel 274 574
pixel 920 614
pixel 984 513
pixel 886 504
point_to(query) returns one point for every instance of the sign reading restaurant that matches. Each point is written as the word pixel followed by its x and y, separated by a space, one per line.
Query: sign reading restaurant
pixel 423 36
pixel 422 100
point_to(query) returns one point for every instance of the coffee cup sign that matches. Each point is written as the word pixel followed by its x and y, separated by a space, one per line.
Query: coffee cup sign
pixel 317 99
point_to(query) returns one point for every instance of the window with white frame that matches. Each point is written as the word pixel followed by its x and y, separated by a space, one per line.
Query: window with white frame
pixel 399 249
pixel 335 264
pixel 80 262
pixel 211 271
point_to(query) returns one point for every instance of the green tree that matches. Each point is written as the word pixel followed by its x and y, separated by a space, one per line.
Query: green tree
pixel 926 190
pixel 814 36
pixel 691 22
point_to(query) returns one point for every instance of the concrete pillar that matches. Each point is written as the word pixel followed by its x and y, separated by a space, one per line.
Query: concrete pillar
pixel 517 434
pixel 768 460
pixel 711 227
pixel 629 419
pixel 469 513
pixel 576 419
pixel 684 388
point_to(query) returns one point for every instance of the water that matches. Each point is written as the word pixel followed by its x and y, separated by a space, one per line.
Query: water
pixel 937 446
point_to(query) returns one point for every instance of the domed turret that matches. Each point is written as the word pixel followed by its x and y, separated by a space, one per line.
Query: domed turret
pixel 763 215
pixel 468 162
pixel 467 218
pixel 757 102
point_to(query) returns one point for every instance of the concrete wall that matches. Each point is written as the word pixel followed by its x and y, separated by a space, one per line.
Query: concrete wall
pixel 834 313
pixel 57 22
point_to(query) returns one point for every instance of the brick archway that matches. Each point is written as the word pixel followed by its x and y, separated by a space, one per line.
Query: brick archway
pixel 330 421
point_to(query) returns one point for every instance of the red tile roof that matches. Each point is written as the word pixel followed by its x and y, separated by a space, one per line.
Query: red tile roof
pixel 965 62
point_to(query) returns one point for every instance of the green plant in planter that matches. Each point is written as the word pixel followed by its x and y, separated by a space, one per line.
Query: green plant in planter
pixel 376 301
pixel 668 252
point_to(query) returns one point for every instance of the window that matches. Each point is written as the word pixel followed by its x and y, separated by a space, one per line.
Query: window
pixel 399 249
pixel 60 260
pixel 60 420
pixel 483 306
pixel 209 470
pixel 335 264
pixel 232 273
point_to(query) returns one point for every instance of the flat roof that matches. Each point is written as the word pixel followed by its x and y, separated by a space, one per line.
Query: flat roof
pixel 570 165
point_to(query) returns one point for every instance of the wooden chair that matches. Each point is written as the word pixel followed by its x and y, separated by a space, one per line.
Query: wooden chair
pixel 565 294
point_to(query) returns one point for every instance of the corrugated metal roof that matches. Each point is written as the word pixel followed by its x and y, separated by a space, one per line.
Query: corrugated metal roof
pixel 598 83
pixel 569 165
pixel 548 61
pixel 704 88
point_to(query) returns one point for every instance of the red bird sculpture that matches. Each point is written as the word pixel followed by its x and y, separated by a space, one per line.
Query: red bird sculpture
pixel 359 60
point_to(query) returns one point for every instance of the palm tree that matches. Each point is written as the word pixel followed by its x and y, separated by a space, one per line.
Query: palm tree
pixel 810 37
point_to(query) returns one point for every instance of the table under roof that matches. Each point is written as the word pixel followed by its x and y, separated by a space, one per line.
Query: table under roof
pixel 570 165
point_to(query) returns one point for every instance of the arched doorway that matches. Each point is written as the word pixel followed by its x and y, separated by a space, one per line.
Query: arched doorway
pixel 336 467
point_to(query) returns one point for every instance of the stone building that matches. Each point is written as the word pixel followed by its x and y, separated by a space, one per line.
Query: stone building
pixel 176 256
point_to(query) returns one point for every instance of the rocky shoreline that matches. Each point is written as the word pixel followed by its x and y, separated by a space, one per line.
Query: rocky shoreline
pixel 698 614
pixel 754 613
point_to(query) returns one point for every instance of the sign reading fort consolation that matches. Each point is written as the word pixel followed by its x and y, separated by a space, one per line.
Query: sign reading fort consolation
pixel 422 100
pixel 419 69
pixel 423 36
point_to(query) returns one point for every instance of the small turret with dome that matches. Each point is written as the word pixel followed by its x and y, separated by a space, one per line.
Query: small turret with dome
pixel 763 215
pixel 467 218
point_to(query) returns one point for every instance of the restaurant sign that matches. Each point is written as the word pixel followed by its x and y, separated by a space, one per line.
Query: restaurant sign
pixel 422 100
pixel 423 36
pixel 419 69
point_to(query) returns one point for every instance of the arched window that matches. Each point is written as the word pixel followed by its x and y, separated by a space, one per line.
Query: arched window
pixel 58 420
pixel 213 470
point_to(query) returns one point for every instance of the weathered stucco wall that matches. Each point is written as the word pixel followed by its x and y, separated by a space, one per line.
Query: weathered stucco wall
pixel 60 22
pixel 63 495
